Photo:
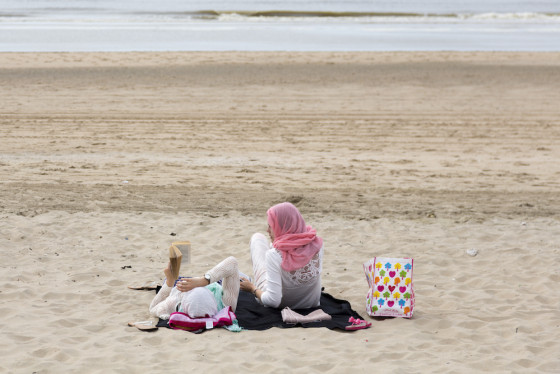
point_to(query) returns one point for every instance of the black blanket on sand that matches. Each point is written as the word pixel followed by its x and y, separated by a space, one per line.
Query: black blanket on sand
pixel 253 316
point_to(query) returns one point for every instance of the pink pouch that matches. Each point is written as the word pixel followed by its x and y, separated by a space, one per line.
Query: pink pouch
pixel 391 292
pixel 182 321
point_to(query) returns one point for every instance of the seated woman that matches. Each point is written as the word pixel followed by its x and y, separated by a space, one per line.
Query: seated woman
pixel 193 296
pixel 288 273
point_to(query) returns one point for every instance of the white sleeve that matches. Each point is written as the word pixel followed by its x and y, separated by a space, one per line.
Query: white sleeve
pixel 272 296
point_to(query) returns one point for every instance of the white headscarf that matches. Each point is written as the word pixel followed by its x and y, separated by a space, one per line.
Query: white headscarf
pixel 198 302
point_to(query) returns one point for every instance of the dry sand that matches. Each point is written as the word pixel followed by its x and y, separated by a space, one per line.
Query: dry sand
pixel 104 155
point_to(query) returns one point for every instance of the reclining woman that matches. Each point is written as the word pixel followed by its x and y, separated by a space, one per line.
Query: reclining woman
pixel 288 273
pixel 198 297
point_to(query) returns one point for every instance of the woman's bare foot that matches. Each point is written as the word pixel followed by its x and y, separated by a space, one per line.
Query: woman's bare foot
pixel 187 284
pixel 168 276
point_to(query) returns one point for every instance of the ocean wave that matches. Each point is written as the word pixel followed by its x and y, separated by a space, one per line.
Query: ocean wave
pixel 514 16
pixel 213 14
pixel 277 16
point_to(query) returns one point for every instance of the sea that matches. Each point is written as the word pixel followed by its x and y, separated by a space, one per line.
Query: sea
pixel 273 25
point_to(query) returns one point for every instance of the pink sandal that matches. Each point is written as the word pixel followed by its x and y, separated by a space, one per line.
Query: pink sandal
pixel 357 324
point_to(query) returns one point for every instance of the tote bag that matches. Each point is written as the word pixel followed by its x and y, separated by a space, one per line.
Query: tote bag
pixel 391 292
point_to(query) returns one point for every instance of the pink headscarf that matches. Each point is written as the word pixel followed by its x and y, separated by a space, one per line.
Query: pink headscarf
pixel 296 241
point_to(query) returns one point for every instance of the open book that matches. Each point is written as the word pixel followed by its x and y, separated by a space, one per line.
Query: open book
pixel 179 253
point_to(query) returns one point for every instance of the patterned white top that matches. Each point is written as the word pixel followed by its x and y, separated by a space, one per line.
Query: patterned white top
pixel 296 289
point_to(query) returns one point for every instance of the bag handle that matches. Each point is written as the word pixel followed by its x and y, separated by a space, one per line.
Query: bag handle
pixel 367 271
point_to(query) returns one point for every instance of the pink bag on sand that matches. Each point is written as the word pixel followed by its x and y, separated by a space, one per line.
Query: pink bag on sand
pixel 390 292
pixel 182 321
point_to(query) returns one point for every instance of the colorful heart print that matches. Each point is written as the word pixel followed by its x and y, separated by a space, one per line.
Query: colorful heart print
pixel 392 288
pixel 390 303
pixel 392 274
pixel 381 288
pixel 402 289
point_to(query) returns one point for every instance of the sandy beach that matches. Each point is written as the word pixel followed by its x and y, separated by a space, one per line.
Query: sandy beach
pixel 106 158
